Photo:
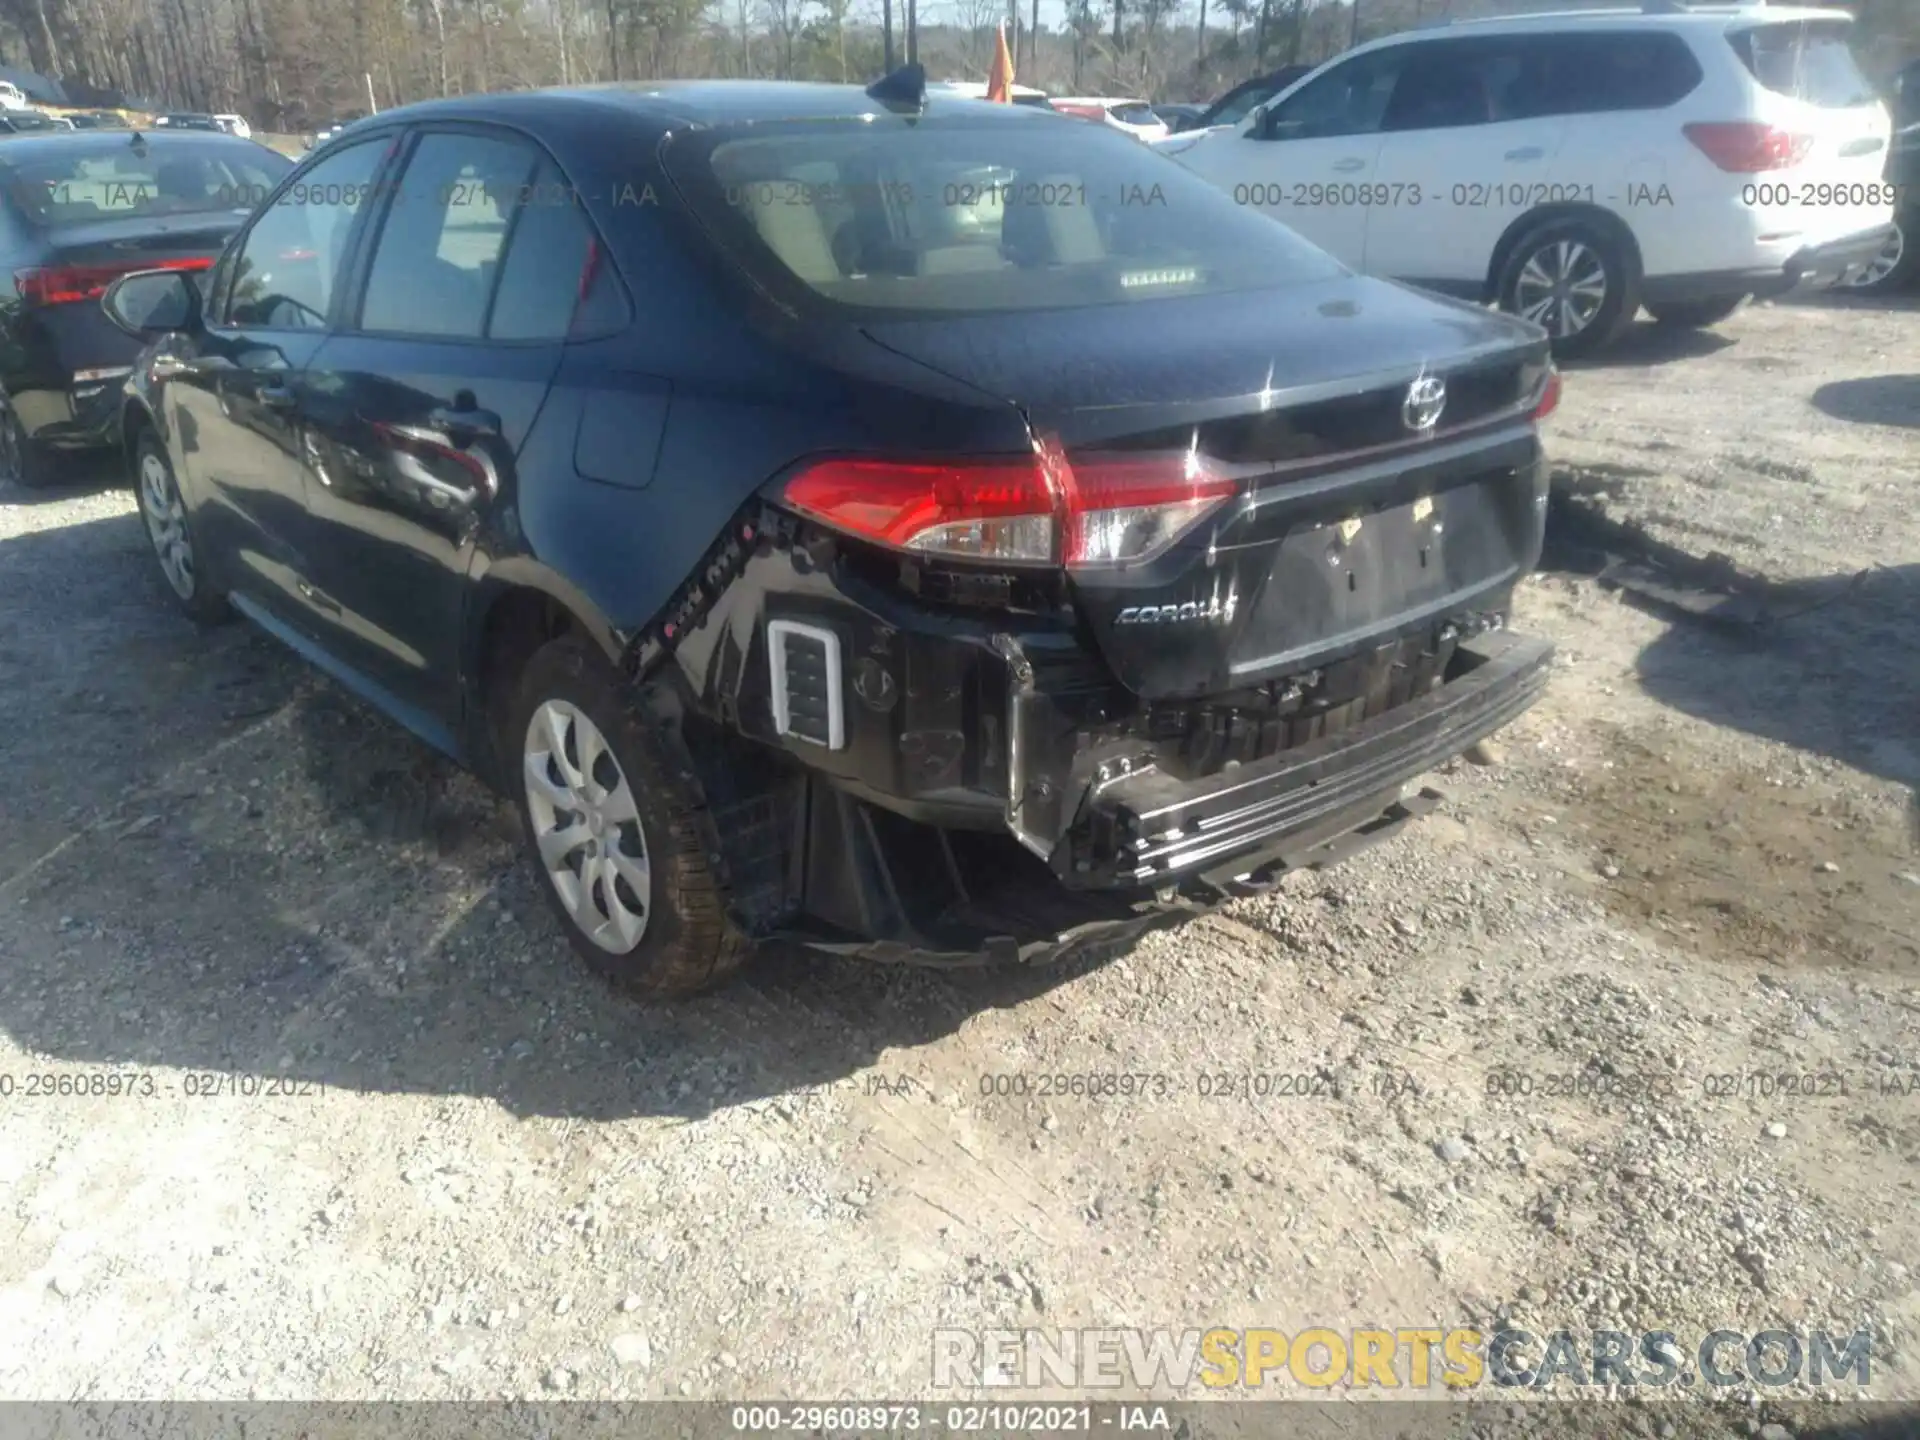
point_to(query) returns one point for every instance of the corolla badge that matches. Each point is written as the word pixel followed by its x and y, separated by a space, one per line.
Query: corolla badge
pixel 1205 612
pixel 1426 398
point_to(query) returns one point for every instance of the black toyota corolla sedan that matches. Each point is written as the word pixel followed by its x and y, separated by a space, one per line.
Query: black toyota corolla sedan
pixel 915 528
pixel 77 210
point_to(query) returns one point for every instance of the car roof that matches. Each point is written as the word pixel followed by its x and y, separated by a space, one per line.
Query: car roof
pixel 675 104
pixel 1661 13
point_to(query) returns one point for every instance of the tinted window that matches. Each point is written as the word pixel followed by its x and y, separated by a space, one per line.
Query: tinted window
pixel 1137 114
pixel 1807 59
pixel 434 263
pixel 1350 99
pixel 289 262
pixel 958 216
pixel 111 178
pixel 1593 74
pixel 555 280
pixel 1445 85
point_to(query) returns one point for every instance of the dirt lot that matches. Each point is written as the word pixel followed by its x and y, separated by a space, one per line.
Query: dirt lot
pixel 1695 859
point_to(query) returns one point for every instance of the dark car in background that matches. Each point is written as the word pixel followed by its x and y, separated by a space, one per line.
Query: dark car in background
pixel 1234 106
pixel 757 498
pixel 97 120
pixel 28 122
pixel 77 210
pixel 1897 266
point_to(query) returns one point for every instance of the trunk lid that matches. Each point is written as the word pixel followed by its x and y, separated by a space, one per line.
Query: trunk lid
pixel 1352 526
pixel 144 240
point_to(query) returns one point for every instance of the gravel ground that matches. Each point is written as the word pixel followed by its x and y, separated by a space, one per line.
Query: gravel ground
pixel 1694 859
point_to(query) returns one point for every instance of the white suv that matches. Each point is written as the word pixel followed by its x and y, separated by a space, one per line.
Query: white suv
pixel 1575 166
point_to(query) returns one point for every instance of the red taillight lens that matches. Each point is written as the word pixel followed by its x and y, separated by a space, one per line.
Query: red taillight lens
pixel 1098 509
pixel 1001 509
pixel 1746 148
pixel 70 284
pixel 1123 508
pixel 1549 397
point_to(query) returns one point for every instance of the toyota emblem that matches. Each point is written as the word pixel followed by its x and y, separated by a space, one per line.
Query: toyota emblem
pixel 1426 398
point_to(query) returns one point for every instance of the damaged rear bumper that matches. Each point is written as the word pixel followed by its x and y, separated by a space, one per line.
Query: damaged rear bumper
pixel 1141 847
pixel 1151 828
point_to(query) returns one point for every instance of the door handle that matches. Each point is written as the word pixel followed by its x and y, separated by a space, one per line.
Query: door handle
pixel 1529 152
pixel 276 397
pixel 462 426
pixel 1349 165
pixel 317 599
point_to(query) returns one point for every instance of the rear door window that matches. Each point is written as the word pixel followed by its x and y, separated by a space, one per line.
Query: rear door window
pixel 439 248
pixel 1453 83
pixel 1810 60
pixel 556 281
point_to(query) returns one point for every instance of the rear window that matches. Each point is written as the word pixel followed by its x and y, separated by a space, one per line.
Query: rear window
pixel 115 179
pixel 964 217
pixel 1141 114
pixel 1593 73
pixel 1807 59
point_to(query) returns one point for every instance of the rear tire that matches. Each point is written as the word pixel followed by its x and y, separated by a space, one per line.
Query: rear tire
pixel 1896 267
pixel 1574 279
pixel 617 835
pixel 1695 314
pixel 23 462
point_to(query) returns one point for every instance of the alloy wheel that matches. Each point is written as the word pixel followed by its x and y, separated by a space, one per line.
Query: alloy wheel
pixel 1882 265
pixel 166 519
pixel 1561 288
pixel 587 827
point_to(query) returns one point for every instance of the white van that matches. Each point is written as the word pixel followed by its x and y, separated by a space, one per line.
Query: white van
pixel 12 97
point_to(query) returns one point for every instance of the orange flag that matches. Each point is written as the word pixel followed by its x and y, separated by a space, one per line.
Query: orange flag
pixel 1000 77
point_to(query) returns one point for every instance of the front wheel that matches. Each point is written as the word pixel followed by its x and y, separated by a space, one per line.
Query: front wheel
pixel 170 531
pixel 1574 280
pixel 615 831
pixel 1695 314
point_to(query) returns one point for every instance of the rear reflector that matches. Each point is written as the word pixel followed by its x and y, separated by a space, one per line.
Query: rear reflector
pixel 807 685
pixel 1745 147
pixel 1549 397
pixel 72 284
pixel 1041 509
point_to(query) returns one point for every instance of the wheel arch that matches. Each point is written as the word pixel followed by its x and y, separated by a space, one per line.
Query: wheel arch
pixel 136 415
pixel 518 605
pixel 1596 215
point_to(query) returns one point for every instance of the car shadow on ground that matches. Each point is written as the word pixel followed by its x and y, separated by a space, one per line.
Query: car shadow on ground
pixel 1841 679
pixel 295 888
pixel 1872 400
pixel 88 474
pixel 1645 343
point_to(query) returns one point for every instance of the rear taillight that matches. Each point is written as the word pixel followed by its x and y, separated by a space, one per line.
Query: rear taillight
pixel 71 284
pixel 1042 509
pixel 1549 400
pixel 1746 147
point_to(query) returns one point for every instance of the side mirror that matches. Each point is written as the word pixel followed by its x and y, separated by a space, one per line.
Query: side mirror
pixel 152 302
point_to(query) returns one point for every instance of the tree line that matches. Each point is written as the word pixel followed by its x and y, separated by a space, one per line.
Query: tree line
pixel 293 65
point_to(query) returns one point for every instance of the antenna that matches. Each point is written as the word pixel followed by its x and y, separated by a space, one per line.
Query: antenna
pixel 904 89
